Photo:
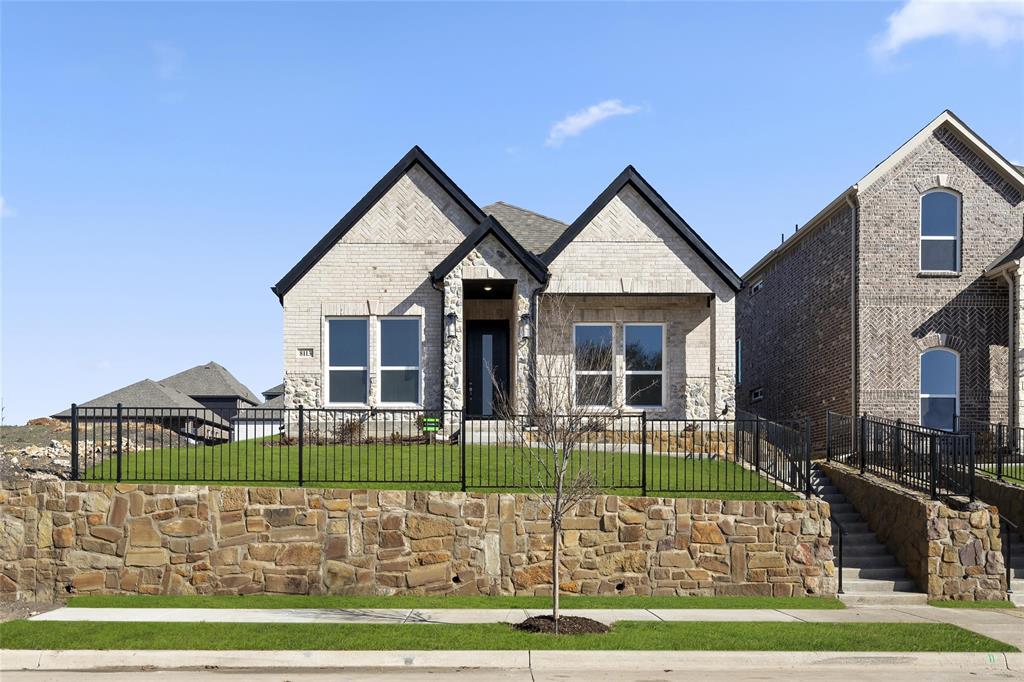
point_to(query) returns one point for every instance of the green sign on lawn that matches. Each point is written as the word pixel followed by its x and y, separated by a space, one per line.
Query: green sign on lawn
pixel 431 424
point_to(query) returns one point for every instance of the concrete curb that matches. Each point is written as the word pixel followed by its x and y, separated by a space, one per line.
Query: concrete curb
pixel 578 661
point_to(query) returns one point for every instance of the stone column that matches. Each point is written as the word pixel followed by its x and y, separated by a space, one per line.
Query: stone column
pixel 521 367
pixel 723 355
pixel 453 343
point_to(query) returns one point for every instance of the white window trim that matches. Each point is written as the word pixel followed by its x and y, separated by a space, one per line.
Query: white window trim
pixel 920 378
pixel 419 355
pixel 577 372
pixel 644 372
pixel 328 366
pixel 922 237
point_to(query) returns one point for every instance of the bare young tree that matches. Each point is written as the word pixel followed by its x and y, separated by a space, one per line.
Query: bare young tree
pixel 567 410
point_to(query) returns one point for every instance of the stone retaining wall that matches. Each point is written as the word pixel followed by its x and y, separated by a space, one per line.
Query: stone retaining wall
pixel 58 537
pixel 952 550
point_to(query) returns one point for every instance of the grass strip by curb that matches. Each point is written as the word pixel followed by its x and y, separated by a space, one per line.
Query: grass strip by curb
pixel 981 604
pixel 685 636
pixel 442 602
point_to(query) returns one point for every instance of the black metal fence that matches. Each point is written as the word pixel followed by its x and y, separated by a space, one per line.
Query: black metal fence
pixel 928 460
pixel 440 448
pixel 999 448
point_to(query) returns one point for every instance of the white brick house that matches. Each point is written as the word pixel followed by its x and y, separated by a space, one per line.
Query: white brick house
pixel 418 298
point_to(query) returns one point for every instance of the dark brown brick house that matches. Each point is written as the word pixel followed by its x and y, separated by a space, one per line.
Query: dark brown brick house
pixel 899 297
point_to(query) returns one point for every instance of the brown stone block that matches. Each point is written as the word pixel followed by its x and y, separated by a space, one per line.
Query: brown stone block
pixel 299 554
pixel 263 495
pixel 63 536
pixel 91 580
pixel 146 557
pixel 295 534
pixel 336 547
pixel 182 527
pixel 706 532
pixel 295 497
pixel 280 516
pixel 287 584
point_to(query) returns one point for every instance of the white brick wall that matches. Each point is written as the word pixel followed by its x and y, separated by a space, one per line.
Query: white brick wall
pixel 380 267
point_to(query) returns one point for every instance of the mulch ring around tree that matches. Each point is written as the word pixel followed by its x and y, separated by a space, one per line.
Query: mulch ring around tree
pixel 567 625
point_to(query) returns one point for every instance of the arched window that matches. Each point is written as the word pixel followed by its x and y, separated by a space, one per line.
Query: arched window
pixel 940 231
pixel 940 388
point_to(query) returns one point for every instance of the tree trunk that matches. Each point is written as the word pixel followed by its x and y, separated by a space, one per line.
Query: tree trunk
pixel 556 531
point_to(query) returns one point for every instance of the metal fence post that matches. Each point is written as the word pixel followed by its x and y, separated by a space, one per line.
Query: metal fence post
pixel 973 454
pixel 462 448
pixel 119 423
pixel 74 442
pixel 897 450
pixel 1001 447
pixel 643 453
pixel 828 436
pixel 302 429
pixel 862 445
pixel 757 443
pixel 807 457
pixel 933 476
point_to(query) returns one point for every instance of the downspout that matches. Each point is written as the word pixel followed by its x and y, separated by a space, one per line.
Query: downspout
pixel 854 341
pixel 532 369
pixel 1011 350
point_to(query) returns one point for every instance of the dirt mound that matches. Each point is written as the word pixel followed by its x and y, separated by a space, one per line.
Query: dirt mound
pixel 567 625
pixel 46 421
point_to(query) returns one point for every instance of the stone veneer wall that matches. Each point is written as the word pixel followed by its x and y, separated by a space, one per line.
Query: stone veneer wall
pixel 951 553
pixel 58 536
pixel 1006 496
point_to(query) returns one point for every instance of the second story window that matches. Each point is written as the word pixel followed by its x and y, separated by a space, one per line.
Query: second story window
pixel 940 232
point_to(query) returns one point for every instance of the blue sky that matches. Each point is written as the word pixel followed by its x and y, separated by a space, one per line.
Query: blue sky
pixel 164 164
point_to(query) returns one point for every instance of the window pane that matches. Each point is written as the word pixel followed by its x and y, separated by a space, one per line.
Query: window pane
pixel 937 413
pixel 594 348
pixel 347 339
pixel 938 373
pixel 938 214
pixel 400 386
pixel 643 348
pixel 347 386
pixel 643 389
pixel 594 389
pixel 938 254
pixel 400 343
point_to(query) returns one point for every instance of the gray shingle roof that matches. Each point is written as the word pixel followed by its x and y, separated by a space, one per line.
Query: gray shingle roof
pixel 142 396
pixel 210 380
pixel 1016 252
pixel 274 391
pixel 534 231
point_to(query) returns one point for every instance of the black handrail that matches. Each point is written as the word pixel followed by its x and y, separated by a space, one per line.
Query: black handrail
pixel 1011 528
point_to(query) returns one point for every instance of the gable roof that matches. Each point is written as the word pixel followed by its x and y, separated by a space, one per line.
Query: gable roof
pixel 210 380
pixel 1015 174
pixel 149 394
pixel 274 391
pixel 491 226
pixel 631 177
pixel 1011 257
pixel 414 156
pixel 534 231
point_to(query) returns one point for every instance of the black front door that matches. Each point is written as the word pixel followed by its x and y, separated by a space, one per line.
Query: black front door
pixel 486 366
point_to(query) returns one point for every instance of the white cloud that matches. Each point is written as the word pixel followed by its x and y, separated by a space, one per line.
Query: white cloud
pixel 574 124
pixel 5 209
pixel 169 59
pixel 991 23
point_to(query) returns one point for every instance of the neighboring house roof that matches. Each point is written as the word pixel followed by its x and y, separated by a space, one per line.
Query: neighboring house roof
pixel 274 391
pixel 534 231
pixel 1011 257
pixel 414 156
pixel 210 380
pixel 630 176
pixel 262 413
pixel 147 398
pixel 1015 174
pixel 491 226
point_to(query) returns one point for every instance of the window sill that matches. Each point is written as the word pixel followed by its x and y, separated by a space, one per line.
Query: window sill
pixel 937 274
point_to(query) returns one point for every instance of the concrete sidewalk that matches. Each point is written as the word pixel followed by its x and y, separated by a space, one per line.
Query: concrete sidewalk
pixel 538 664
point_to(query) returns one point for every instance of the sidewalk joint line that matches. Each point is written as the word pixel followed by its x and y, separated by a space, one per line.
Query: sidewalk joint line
pixel 655 615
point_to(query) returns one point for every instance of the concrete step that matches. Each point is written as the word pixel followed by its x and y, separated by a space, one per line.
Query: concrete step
pixel 852 553
pixel 851 540
pixel 848 517
pixel 1017 598
pixel 883 599
pixel 865 585
pixel 842 508
pixel 827 490
pixel 864 561
pixel 872 573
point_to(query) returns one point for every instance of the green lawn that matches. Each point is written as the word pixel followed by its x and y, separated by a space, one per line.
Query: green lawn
pixel 430 466
pixel 702 636
pixel 984 604
pixel 442 602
